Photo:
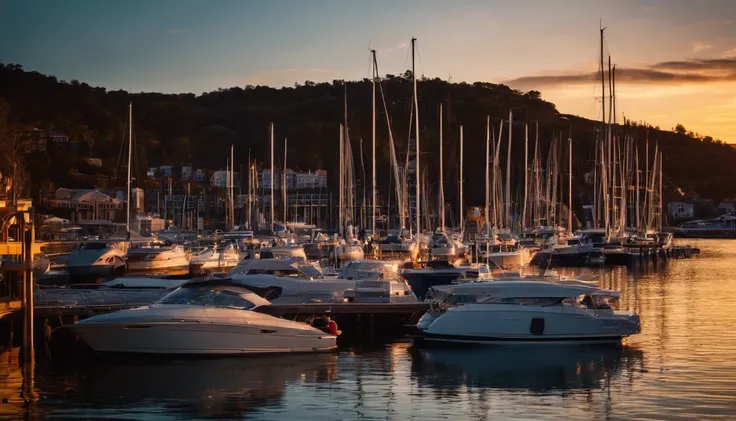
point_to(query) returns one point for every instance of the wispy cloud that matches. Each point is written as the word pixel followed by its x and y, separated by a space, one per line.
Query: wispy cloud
pixel 700 46
pixel 669 72
pixel 729 53
pixel 398 46
pixel 175 31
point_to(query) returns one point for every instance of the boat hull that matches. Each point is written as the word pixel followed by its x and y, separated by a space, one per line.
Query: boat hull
pixel 497 324
pixel 199 339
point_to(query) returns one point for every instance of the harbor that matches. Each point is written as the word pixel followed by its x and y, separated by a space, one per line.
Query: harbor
pixel 302 211
pixel 383 379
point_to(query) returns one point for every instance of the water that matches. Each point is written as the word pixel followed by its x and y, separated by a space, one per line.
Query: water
pixel 682 366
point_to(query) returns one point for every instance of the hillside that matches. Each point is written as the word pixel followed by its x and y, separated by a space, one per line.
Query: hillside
pixel 173 129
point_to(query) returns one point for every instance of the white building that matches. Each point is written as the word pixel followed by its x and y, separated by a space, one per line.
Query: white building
pixel 294 180
pixel 219 179
pixel 680 210
pixel 264 179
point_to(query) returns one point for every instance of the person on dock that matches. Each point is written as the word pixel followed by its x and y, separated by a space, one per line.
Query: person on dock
pixel 326 324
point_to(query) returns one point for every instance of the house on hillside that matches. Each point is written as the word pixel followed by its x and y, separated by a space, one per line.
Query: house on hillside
pixel 86 204
pixel 680 211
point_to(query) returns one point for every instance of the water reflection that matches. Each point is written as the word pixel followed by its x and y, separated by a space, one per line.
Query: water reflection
pixel 539 370
pixel 202 388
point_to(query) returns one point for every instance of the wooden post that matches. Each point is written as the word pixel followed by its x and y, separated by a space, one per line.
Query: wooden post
pixel 28 392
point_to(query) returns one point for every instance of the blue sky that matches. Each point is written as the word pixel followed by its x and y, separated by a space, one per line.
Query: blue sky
pixel 197 46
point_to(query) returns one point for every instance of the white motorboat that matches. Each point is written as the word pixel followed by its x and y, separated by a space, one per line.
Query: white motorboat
pixel 399 244
pixel 507 258
pixel 215 258
pixel 519 312
pixel 298 287
pixel 157 259
pixel 95 260
pixel 347 251
pixel 290 252
pixel 443 247
pixel 202 317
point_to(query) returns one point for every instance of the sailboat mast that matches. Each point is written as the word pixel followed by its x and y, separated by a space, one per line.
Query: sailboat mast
pixel 659 206
pixel 416 135
pixel 130 158
pixel 442 176
pixel 342 182
pixel 462 215
pixel 488 175
pixel 526 176
pixel 603 80
pixel 286 202
pixel 569 181
pixel 373 135
pixel 250 172
pixel 273 176
pixel 508 174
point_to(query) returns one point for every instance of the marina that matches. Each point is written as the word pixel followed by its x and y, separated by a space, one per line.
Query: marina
pixel 321 241
pixel 678 365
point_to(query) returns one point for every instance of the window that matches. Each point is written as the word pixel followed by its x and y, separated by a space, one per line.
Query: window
pixel 213 296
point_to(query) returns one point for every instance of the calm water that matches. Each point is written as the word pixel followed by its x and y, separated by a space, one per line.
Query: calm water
pixel 682 366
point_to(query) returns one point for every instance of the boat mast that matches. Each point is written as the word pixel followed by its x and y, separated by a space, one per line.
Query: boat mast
pixel 250 172
pixel 569 181
pixel 638 185
pixel 462 215
pixel 488 190
pixel 340 194
pixel 130 158
pixel 659 225
pixel 283 177
pixel 508 175
pixel 373 135
pixel 442 184
pixel 273 214
pixel 526 176
pixel 416 136
pixel 232 186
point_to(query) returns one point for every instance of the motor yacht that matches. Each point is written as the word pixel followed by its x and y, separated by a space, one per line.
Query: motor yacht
pixel 157 258
pixel 298 287
pixel 349 250
pixel 399 244
pixel 290 252
pixel 443 247
pixel 530 311
pixel 212 317
pixel 214 258
pixel 95 260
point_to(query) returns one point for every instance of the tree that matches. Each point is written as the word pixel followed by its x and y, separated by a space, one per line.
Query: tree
pixel 14 176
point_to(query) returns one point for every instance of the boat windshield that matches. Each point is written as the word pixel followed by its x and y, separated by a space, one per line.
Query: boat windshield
pixel 212 296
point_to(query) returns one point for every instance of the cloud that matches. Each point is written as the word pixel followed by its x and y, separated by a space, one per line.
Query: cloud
pixel 719 64
pixel 729 53
pixel 398 46
pixel 700 46
pixel 175 31
pixel 670 72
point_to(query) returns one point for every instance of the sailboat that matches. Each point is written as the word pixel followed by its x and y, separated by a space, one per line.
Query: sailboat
pixel 349 248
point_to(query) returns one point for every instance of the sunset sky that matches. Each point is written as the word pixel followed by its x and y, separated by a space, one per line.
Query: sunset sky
pixel 676 59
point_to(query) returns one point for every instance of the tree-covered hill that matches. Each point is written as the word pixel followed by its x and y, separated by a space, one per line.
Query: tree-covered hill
pixel 199 129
